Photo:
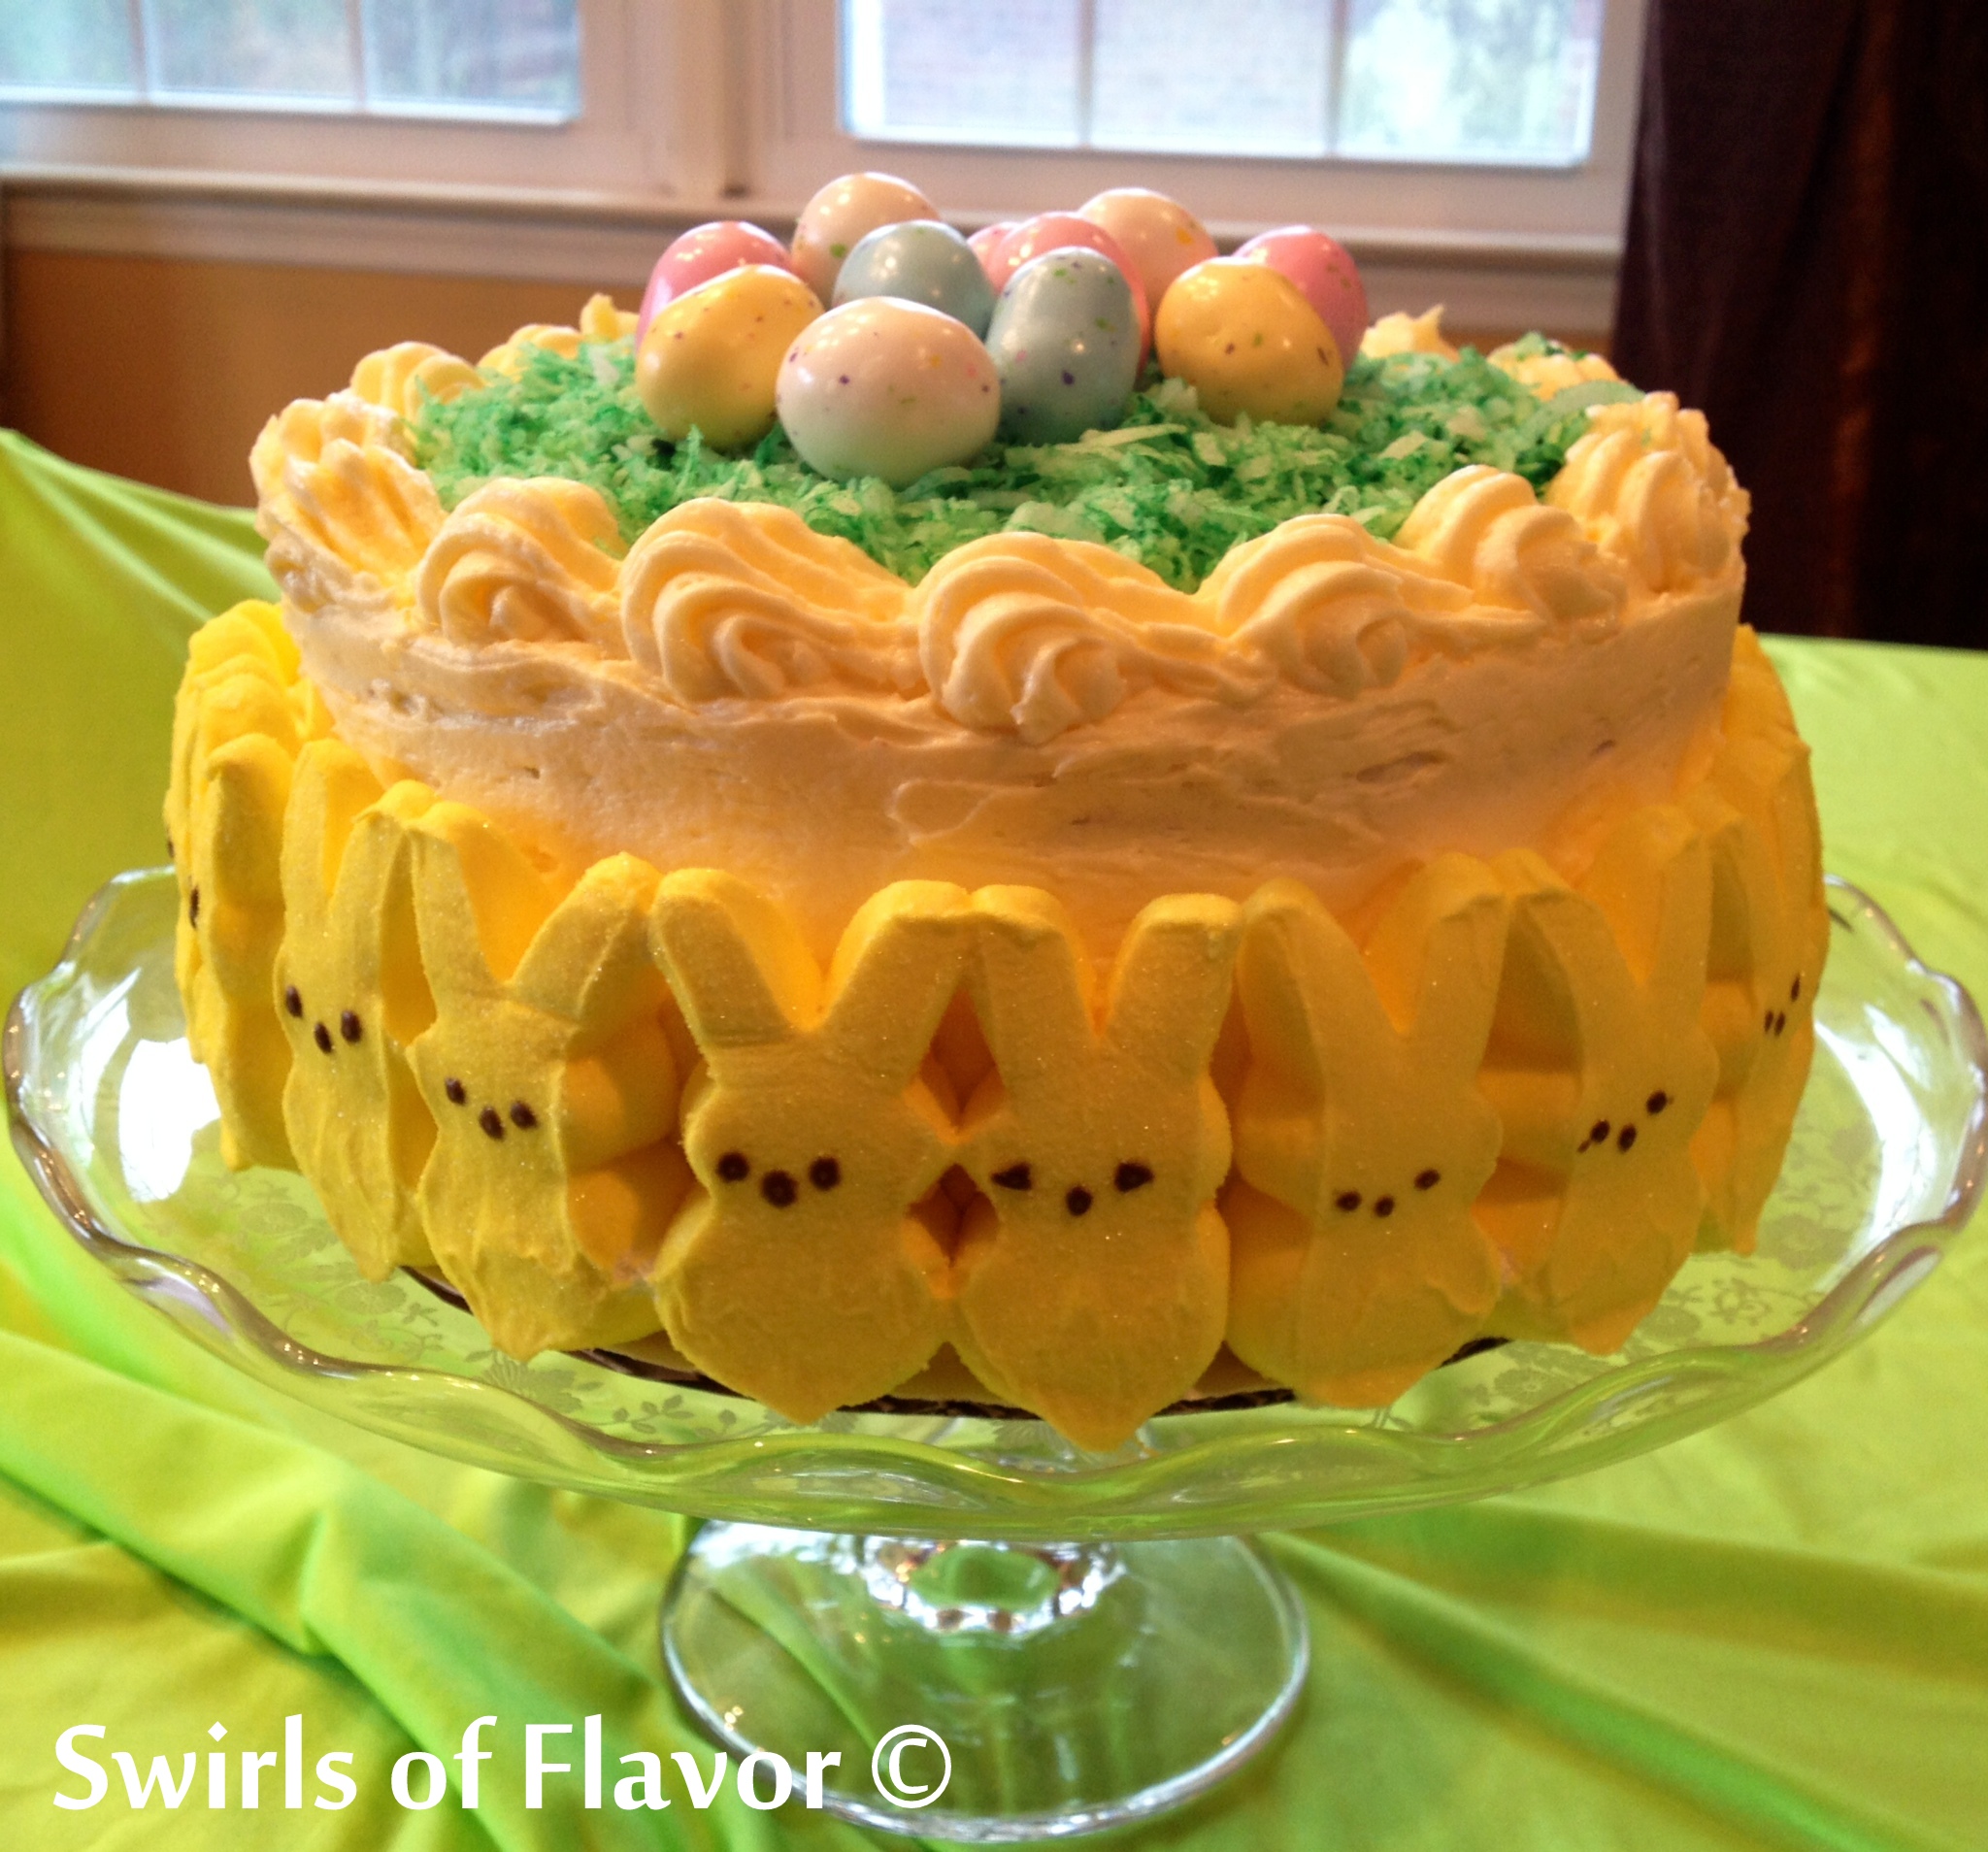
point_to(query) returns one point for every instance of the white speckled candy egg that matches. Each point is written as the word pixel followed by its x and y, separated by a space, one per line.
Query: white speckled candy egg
pixel 843 213
pixel 889 388
pixel 1066 341
pixel 711 358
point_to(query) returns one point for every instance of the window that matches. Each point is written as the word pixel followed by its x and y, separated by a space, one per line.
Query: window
pixel 492 58
pixel 1495 81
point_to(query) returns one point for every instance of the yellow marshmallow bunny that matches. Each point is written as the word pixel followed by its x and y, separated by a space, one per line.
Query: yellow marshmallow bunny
pixel 809 1271
pixel 1601 1074
pixel 1093 1270
pixel 548 1074
pixel 1770 937
pixel 236 729
pixel 351 996
pixel 1361 1138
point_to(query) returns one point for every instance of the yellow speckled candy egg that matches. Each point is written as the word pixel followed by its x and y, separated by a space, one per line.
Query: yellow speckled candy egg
pixel 1245 338
pixel 889 388
pixel 711 358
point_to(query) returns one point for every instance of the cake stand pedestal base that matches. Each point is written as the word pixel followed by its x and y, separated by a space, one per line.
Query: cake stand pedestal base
pixel 1073 1687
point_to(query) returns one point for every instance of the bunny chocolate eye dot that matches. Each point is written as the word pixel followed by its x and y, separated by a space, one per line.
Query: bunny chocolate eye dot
pixel 323 1037
pixel 1428 1180
pixel 825 1172
pixel 193 908
pixel 1795 989
pixel 1597 1132
pixel 1656 1103
pixel 293 1001
pixel 1626 1138
pixel 1346 1201
pixel 523 1116
pixel 349 1025
pixel 492 1125
pixel 1383 1206
pixel 1133 1176
pixel 1766 1027
pixel 458 1094
pixel 1078 1199
pixel 1015 1177
pixel 778 1188
pixel 734 1168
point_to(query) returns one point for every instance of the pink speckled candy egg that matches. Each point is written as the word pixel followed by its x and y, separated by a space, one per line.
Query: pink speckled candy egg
pixel 1064 231
pixel 1325 271
pixel 986 241
pixel 1160 235
pixel 889 388
pixel 841 214
pixel 703 252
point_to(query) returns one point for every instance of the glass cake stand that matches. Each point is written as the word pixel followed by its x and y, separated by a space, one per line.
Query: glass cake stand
pixel 1087 1636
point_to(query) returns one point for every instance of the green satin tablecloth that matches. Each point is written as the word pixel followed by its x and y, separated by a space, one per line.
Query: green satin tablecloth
pixel 1774 1633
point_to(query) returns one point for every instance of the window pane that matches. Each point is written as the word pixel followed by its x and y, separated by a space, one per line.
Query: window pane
pixel 523 54
pixel 1243 76
pixel 962 71
pixel 72 45
pixel 1470 80
pixel 281 48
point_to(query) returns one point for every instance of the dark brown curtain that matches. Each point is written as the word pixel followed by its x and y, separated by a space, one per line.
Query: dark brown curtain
pixel 1807 260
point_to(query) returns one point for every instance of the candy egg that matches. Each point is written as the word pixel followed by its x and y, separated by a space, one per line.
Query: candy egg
pixel 1066 231
pixel 846 209
pixel 703 252
pixel 1065 340
pixel 1243 334
pixel 1323 269
pixel 711 359
pixel 987 241
pixel 922 261
pixel 1159 235
pixel 889 388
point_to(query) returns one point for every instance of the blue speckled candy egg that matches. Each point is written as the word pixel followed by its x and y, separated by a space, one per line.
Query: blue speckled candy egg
pixel 1065 340
pixel 889 388
pixel 920 261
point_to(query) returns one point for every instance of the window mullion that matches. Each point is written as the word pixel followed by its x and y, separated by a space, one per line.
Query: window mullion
pixel 141 48
pixel 355 46
pixel 1336 70
pixel 1086 67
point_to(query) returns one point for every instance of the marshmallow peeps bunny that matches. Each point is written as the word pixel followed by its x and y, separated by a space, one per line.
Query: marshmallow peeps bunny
pixel 351 995
pixel 1770 936
pixel 810 1269
pixel 1361 1138
pixel 1093 1270
pixel 548 1074
pixel 1600 1073
pixel 236 730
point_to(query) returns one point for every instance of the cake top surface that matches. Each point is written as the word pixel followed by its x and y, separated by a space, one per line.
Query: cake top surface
pixel 1168 488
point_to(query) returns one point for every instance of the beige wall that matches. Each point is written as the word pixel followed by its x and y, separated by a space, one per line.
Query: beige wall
pixel 165 370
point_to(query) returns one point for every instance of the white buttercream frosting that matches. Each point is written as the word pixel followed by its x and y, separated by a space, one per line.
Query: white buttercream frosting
pixel 739 690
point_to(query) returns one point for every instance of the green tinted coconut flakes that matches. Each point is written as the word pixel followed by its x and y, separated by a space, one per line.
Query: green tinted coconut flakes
pixel 1169 487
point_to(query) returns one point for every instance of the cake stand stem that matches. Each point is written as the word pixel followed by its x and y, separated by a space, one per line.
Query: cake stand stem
pixel 1072 1686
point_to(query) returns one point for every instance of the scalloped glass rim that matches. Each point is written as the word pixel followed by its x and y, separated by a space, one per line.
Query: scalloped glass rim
pixel 1885 1168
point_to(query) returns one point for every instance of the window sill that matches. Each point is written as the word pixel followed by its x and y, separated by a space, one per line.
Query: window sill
pixel 1490 281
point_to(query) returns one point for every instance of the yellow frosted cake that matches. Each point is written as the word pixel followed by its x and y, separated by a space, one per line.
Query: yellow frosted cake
pixel 1097 914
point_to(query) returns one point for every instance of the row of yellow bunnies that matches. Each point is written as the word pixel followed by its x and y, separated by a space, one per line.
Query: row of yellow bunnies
pixel 1515 1107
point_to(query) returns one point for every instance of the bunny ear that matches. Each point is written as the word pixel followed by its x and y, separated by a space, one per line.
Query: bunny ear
pixel 894 973
pixel 1293 953
pixel 590 961
pixel 1434 960
pixel 1653 883
pixel 742 974
pixel 1032 983
pixel 1554 934
pixel 332 785
pixel 478 901
pixel 1171 984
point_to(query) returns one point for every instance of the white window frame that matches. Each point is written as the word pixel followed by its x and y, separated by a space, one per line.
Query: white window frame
pixel 704 109
pixel 799 141
pixel 645 127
